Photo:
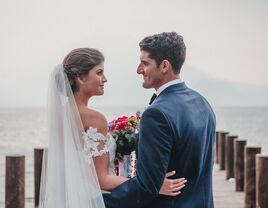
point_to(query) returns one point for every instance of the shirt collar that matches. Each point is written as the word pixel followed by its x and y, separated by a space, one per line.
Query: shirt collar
pixel 164 86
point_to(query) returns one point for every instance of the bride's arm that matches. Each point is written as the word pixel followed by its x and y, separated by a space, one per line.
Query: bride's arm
pixel 172 187
pixel 107 182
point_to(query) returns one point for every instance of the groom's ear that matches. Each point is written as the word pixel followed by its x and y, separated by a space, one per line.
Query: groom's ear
pixel 165 66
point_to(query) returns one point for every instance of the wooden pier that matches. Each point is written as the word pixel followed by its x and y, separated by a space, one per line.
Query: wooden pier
pixel 224 192
pixel 240 175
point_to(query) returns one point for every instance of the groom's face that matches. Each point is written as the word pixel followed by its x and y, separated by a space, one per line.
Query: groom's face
pixel 149 70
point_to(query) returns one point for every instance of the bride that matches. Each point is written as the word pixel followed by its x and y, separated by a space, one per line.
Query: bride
pixel 79 163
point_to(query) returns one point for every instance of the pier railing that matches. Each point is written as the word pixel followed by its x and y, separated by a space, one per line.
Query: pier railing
pixel 246 165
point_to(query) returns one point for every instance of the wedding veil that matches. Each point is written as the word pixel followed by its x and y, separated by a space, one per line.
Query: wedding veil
pixel 69 179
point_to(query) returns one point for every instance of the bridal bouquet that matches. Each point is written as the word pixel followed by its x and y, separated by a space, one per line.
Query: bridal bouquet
pixel 123 130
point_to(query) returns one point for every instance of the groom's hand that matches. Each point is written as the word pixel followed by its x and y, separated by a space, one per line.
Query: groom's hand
pixel 172 187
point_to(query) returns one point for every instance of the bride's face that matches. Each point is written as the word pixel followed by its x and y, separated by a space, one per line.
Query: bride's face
pixel 93 83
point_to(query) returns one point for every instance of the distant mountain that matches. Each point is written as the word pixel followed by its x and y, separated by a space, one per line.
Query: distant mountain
pixel 225 93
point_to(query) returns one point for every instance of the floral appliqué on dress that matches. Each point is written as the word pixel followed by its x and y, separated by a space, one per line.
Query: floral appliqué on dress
pixel 96 144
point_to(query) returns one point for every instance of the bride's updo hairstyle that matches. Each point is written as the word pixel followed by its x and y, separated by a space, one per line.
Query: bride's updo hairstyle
pixel 79 62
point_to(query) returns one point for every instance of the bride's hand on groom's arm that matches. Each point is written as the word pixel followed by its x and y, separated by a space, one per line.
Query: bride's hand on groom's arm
pixel 172 187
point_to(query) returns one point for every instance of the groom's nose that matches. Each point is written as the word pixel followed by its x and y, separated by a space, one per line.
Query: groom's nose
pixel 139 69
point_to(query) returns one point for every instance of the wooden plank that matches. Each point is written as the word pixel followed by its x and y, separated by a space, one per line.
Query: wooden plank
pixel 224 192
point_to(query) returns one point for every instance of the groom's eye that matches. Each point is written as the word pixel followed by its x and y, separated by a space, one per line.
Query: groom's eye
pixel 144 63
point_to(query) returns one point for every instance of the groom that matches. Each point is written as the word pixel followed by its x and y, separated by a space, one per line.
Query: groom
pixel 177 132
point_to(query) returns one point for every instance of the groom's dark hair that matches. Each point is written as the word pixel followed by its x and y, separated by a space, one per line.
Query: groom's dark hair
pixel 165 46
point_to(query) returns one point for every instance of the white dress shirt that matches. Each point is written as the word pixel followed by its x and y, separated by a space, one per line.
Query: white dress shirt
pixel 164 86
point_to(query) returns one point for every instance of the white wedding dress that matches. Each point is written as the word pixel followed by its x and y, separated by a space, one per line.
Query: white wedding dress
pixel 96 144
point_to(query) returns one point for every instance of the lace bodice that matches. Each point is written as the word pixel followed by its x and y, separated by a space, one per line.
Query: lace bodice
pixel 96 144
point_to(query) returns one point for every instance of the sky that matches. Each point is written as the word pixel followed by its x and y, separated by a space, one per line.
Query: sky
pixel 228 40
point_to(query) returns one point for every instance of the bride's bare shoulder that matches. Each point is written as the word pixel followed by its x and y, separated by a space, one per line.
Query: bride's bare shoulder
pixel 95 119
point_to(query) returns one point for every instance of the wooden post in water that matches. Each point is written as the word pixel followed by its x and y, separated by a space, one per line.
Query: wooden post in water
pixel 261 181
pixel 15 181
pixel 38 160
pixel 217 147
pixel 229 155
pixel 222 137
pixel 239 146
pixel 250 176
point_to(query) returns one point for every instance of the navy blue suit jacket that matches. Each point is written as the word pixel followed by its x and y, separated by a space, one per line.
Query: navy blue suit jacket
pixel 177 132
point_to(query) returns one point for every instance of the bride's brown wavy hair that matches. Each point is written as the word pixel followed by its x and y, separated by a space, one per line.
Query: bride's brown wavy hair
pixel 79 62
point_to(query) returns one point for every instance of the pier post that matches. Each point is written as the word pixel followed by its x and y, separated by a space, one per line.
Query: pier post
pixel 222 138
pixel 15 181
pixel 217 147
pixel 38 161
pixel 229 155
pixel 250 176
pixel 261 181
pixel 239 167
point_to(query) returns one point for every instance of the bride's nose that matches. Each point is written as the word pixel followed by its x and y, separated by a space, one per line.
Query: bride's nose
pixel 104 79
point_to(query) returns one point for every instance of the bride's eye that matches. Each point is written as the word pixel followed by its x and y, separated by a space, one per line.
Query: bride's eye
pixel 100 72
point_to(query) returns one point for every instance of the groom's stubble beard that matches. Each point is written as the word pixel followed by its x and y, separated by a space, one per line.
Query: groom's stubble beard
pixel 155 83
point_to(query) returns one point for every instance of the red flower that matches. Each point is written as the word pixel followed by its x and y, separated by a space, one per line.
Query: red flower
pixel 121 119
pixel 123 131
pixel 122 125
